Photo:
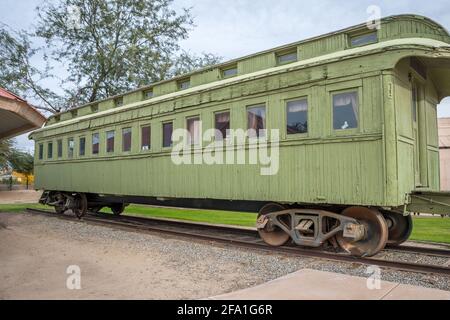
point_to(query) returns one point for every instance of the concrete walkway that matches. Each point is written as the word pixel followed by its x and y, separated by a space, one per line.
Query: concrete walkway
pixel 319 285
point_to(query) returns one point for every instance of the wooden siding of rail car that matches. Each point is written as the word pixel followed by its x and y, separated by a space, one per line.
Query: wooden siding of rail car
pixel 392 28
pixel 339 173
pixel 428 151
pixel 324 166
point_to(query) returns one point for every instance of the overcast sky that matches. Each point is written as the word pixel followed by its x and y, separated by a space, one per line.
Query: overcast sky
pixel 233 28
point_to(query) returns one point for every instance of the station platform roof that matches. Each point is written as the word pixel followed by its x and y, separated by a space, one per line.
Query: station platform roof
pixel 17 116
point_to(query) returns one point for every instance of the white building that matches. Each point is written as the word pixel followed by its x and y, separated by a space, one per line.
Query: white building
pixel 444 152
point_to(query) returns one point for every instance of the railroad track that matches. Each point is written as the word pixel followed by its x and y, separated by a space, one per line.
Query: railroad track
pixel 249 238
pixel 438 252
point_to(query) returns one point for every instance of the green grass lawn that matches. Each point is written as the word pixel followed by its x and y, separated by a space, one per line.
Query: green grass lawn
pixel 210 216
pixel 433 229
pixel 21 207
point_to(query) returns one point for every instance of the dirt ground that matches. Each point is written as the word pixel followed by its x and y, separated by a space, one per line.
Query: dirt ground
pixel 19 196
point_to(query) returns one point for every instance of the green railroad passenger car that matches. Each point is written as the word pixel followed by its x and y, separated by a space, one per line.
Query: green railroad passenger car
pixel 358 149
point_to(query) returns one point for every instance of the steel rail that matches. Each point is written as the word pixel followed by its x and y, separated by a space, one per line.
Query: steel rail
pixel 438 252
pixel 247 238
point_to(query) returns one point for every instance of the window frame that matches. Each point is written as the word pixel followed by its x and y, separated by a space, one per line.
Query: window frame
pixel 228 68
pixel 92 143
pixel 41 151
pixel 226 138
pixel 351 36
pixel 123 140
pixel 255 105
pixel 350 131
pixel 187 118
pixel 181 82
pixel 162 135
pixel 118 102
pixel 114 141
pixel 297 135
pixel 144 125
pixel 79 146
pixel 59 142
pixel 70 156
pixel 287 52
pixel 49 150
pixel 145 92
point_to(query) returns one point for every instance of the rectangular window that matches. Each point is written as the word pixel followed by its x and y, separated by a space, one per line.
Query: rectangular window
pixel 146 138
pixel 184 84
pixel 222 124
pixel 364 39
pixel 148 94
pixel 118 101
pixel 193 127
pixel 74 113
pixel 167 134
pixel 229 72
pixel 345 110
pixel 256 121
pixel 287 57
pixel 70 147
pixel 41 151
pixel 126 139
pixel 297 116
pixel 95 143
pixel 50 150
pixel 60 147
pixel 82 146
pixel 110 141
pixel 94 108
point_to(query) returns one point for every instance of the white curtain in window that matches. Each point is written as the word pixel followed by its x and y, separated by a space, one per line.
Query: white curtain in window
pixel 223 117
pixel 297 106
pixel 194 131
pixel 345 99
pixel 256 118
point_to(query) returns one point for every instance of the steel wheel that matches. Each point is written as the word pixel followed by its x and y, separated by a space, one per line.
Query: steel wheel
pixel 376 233
pixel 59 198
pixel 82 205
pixel 400 227
pixel 271 234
